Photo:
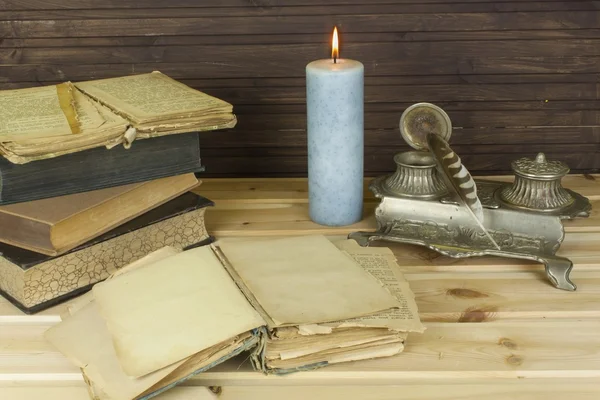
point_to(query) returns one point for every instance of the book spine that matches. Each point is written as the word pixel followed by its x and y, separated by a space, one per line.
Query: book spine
pixel 99 168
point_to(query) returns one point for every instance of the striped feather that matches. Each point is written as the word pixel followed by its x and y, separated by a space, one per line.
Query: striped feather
pixel 458 178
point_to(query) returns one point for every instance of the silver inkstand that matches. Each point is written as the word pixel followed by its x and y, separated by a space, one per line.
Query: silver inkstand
pixel 523 217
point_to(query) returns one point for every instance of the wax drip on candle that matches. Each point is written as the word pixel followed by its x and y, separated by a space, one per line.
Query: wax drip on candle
pixel 335 48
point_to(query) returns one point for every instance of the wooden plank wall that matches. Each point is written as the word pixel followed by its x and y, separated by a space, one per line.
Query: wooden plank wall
pixel 516 76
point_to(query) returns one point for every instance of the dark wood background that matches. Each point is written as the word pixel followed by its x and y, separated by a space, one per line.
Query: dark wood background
pixel 516 77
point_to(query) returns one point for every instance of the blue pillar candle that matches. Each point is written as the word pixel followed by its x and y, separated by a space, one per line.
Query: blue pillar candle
pixel 335 128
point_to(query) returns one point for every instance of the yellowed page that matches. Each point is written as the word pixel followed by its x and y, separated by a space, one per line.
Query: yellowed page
pixel 79 302
pixel 170 309
pixel 32 113
pixel 95 120
pixel 85 340
pixel 97 126
pixel 381 263
pixel 150 96
pixel 306 279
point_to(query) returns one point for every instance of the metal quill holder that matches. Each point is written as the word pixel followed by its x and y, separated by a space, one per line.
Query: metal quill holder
pixel 425 202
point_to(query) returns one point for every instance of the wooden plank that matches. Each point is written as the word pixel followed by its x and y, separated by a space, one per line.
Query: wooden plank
pixel 373 83
pixel 466 64
pixel 412 93
pixel 556 389
pixel 347 9
pixel 449 106
pixel 384 150
pixel 136 4
pixel 485 389
pixel 564 348
pixel 479 164
pixel 299 38
pixel 272 54
pixel 79 392
pixel 460 119
pixel 295 190
pixel 292 219
pixel 391 137
pixel 470 97
pixel 474 297
pixel 544 20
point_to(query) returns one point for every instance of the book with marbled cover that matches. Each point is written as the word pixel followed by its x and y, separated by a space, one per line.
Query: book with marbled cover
pixel 34 281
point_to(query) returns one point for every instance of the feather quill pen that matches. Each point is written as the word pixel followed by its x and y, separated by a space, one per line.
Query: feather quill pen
pixel 458 179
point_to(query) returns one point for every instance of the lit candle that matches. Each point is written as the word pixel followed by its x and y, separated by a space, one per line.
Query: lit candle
pixel 335 114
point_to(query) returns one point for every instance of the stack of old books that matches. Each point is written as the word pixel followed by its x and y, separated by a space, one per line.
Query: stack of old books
pixel 95 175
pixel 295 304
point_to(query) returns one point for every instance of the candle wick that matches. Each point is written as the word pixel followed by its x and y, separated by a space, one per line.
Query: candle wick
pixel 335 60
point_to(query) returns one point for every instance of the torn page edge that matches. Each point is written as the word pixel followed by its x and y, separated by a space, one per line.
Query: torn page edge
pixel 248 344
pixel 105 104
pixel 129 137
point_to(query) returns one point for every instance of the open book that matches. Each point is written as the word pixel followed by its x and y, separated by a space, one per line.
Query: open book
pixel 50 121
pixel 296 303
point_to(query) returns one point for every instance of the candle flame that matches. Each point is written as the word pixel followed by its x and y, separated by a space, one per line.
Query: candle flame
pixel 335 48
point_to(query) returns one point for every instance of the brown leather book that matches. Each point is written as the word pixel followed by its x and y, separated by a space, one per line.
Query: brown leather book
pixel 56 225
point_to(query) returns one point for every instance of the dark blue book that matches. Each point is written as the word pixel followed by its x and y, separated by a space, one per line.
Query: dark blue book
pixel 99 168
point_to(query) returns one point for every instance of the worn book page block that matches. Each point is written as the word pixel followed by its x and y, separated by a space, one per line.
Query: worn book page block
pixel 303 280
pixel 85 341
pixel 381 348
pixel 46 122
pixel 68 121
pixel 171 309
pixel 151 96
pixel 298 346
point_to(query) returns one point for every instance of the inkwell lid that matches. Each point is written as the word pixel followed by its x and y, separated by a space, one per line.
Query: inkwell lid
pixel 421 119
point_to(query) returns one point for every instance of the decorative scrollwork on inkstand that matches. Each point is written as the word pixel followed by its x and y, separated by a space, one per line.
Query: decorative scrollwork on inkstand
pixel 524 217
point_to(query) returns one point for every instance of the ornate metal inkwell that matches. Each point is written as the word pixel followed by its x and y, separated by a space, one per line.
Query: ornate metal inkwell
pixel 432 201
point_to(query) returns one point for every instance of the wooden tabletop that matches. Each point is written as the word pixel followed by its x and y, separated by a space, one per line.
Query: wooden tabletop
pixel 496 328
